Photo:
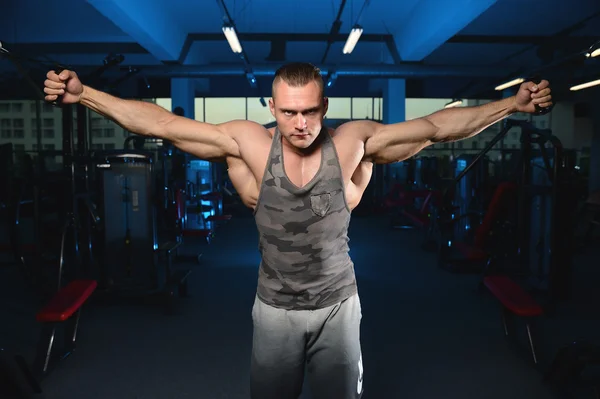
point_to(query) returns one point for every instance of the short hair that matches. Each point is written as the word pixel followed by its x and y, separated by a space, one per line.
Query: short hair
pixel 298 74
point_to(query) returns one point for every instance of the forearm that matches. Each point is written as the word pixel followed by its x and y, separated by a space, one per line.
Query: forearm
pixel 138 117
pixel 454 124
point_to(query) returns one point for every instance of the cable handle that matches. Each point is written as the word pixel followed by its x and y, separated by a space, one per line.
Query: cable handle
pixel 540 110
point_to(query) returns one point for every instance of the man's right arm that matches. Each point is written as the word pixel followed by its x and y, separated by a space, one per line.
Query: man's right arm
pixel 204 140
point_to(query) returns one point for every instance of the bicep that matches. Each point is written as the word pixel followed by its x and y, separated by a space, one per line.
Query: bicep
pixel 205 140
pixel 398 141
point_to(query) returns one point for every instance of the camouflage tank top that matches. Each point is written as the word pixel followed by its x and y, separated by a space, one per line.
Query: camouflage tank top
pixel 303 234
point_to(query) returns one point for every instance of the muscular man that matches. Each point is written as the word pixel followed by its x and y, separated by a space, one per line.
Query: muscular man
pixel 302 180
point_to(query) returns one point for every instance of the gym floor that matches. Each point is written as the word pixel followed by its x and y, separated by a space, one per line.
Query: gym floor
pixel 426 333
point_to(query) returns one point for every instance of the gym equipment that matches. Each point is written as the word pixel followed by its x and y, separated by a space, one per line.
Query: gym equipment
pixel 491 237
pixel 129 264
pixel 126 183
pixel 547 210
pixel 468 198
pixel 426 172
pixel 200 202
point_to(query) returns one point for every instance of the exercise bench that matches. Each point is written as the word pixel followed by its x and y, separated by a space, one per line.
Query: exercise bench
pixel 515 302
pixel 64 308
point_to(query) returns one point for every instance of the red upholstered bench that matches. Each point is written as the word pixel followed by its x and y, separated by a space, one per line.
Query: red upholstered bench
pixel 515 301
pixel 67 301
pixel 64 307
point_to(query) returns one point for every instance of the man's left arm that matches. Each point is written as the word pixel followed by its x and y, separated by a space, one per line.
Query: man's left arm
pixel 399 141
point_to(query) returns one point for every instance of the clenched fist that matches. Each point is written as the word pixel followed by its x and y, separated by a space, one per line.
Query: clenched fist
pixel 531 94
pixel 65 84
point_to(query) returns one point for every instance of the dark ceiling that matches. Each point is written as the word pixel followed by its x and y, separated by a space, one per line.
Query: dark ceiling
pixel 445 49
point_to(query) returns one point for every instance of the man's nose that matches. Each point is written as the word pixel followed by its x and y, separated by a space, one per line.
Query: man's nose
pixel 300 122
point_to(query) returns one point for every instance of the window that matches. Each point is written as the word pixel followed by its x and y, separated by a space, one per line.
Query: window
pixel 96 133
pixel 110 132
pixel 199 109
pixel 165 103
pixel 109 146
pixel 49 147
pixel 96 146
pixel 259 113
pixel 362 108
pixel 19 147
pixel 19 133
pixel 339 108
pixel 47 107
pixel 48 133
pixel 5 123
pixel 219 110
pixel 17 107
pixel 459 145
pixel 19 123
pixel 474 145
pixel 378 109
pixel 5 133
pixel 48 122
pixel 4 107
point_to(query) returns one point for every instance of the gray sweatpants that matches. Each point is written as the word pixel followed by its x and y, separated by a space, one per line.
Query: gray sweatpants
pixel 326 341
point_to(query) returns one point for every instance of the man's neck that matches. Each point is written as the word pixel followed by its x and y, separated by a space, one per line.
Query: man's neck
pixel 305 152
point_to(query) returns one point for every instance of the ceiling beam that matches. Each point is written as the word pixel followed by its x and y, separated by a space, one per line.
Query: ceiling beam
pixel 410 70
pixel 432 22
pixel 151 25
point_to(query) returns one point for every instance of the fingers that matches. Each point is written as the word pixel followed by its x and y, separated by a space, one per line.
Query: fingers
pixel 61 77
pixel 66 74
pixel 49 90
pixel 53 84
pixel 541 93
pixel 533 87
pixel 52 87
pixel 543 102
pixel 542 97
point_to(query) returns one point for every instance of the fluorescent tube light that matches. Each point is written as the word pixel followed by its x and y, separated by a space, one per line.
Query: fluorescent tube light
pixel 353 37
pixel 586 85
pixel 453 104
pixel 510 84
pixel 232 39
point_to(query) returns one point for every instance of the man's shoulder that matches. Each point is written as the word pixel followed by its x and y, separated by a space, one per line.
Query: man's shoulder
pixel 241 129
pixel 358 129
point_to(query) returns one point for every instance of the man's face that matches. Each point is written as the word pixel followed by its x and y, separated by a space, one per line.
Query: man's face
pixel 299 112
